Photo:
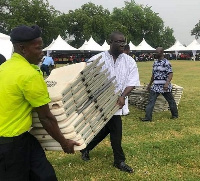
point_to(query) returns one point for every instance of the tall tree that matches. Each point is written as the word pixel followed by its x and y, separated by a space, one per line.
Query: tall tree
pixel 167 38
pixel 89 20
pixel 141 22
pixel 196 30
pixel 28 12
pixel 135 21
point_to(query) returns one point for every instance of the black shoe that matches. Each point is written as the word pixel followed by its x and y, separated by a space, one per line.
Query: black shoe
pixel 144 119
pixel 174 117
pixel 85 155
pixel 123 167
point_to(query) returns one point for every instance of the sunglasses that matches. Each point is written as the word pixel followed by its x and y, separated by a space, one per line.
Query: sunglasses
pixel 119 42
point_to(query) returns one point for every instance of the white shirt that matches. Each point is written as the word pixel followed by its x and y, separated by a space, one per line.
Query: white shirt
pixel 124 69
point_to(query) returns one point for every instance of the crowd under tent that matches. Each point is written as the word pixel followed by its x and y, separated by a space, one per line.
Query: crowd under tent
pixel 194 47
pixel 176 48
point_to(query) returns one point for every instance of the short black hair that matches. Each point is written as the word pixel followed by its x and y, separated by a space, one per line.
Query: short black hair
pixel 114 33
pixel 161 49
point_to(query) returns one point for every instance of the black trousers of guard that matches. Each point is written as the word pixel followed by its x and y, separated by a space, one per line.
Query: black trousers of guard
pixel 23 159
pixel 45 69
pixel 152 100
pixel 114 127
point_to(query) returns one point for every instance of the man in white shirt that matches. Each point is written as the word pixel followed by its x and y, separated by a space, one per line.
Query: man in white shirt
pixel 124 68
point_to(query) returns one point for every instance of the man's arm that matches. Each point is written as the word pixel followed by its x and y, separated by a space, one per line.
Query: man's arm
pixel 131 82
pixel 52 63
pixel 50 124
pixel 127 91
pixel 121 100
pixel 151 81
pixel 170 75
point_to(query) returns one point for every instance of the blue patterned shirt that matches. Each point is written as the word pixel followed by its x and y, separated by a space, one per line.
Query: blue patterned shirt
pixel 160 72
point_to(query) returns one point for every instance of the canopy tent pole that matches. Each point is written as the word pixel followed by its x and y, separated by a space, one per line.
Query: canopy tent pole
pixel 194 53
pixel 176 52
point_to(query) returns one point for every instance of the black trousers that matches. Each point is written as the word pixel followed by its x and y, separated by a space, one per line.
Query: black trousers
pixel 114 127
pixel 23 159
pixel 45 69
pixel 152 100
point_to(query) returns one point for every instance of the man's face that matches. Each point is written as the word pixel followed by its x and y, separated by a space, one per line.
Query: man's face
pixel 117 44
pixel 33 51
pixel 159 53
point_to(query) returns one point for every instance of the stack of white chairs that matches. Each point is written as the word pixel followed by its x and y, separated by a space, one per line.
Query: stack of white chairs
pixel 83 100
pixel 139 97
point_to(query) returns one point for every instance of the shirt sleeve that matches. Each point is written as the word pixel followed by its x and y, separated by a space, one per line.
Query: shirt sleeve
pixel 52 62
pixel 168 67
pixel 133 77
pixel 35 91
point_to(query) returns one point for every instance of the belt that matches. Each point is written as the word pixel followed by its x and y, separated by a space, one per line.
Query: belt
pixel 4 140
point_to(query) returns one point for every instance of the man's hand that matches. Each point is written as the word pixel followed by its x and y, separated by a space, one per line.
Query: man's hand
pixel 148 87
pixel 165 87
pixel 121 101
pixel 68 146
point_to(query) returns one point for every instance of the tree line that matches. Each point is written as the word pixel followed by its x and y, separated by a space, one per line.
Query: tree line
pixel 134 20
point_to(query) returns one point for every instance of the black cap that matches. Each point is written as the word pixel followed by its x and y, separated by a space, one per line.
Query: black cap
pixel 24 33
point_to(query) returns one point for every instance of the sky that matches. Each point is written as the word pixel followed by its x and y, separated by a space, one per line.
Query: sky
pixel 180 15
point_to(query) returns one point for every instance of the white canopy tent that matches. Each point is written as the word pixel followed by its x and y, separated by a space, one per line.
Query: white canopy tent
pixel 105 46
pixel 6 46
pixel 176 47
pixel 85 44
pixel 59 45
pixel 194 47
pixel 144 46
pixel 132 46
pixel 48 47
pixel 91 45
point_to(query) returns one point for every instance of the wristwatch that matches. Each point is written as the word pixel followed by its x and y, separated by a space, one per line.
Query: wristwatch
pixel 124 96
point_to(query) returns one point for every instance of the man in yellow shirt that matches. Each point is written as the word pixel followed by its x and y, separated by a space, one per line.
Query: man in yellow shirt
pixel 22 88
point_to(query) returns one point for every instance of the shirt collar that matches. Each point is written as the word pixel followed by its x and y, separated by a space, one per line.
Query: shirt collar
pixel 109 55
pixel 21 58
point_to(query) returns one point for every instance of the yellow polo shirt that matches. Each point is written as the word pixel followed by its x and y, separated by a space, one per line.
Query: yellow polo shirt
pixel 22 88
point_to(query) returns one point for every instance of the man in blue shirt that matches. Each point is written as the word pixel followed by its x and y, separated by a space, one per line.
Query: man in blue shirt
pixel 47 62
pixel 161 76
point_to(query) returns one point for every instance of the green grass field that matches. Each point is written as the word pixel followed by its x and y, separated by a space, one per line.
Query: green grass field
pixel 161 150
